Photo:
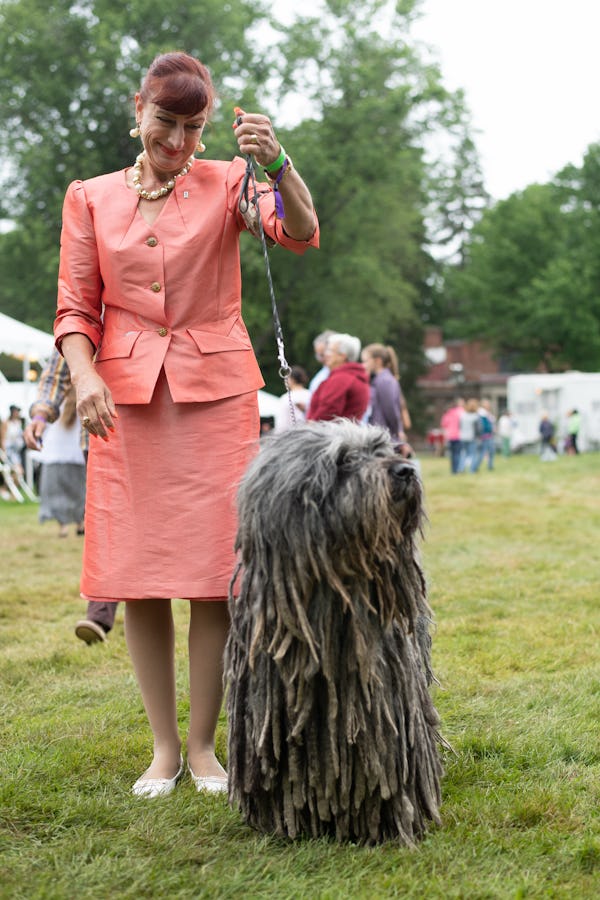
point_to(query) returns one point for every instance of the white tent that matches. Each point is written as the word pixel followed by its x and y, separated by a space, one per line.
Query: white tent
pixel 268 404
pixel 23 341
pixel 29 345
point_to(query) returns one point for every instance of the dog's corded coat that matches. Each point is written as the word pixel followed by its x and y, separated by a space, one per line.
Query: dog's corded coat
pixel 332 730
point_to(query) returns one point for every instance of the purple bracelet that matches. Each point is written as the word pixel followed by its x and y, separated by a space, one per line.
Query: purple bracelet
pixel 39 419
pixel 279 210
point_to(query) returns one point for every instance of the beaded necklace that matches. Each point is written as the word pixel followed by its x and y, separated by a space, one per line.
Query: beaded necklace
pixel 165 189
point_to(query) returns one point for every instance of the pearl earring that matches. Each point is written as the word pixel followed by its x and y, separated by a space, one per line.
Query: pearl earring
pixel 134 132
pixel 201 147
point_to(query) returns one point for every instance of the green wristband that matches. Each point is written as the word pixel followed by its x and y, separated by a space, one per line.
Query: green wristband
pixel 277 163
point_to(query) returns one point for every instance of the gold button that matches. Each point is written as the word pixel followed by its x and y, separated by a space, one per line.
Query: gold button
pixel 163 332
pixel 151 241
pixel 155 286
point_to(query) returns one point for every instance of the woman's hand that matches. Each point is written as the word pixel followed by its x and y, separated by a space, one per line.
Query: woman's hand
pixel 95 406
pixel 255 135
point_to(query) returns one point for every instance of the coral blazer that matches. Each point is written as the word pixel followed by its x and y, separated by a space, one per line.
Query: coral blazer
pixel 167 294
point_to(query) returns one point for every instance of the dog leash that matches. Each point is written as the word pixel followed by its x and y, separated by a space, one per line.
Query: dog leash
pixel 244 205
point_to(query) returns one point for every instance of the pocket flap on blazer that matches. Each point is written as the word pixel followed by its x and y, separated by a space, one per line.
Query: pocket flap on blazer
pixel 226 334
pixel 116 348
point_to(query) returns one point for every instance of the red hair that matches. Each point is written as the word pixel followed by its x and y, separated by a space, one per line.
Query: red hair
pixel 178 83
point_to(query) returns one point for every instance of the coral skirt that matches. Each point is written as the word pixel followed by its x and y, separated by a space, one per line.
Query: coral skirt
pixel 160 516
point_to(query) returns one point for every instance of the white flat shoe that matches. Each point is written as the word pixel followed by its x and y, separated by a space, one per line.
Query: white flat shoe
pixel 214 784
pixel 157 787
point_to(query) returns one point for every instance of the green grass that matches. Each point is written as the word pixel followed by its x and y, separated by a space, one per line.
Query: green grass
pixel 512 558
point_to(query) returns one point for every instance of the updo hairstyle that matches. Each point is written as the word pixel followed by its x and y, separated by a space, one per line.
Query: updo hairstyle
pixel 179 84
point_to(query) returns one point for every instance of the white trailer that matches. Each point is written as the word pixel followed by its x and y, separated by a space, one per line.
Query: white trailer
pixel 528 396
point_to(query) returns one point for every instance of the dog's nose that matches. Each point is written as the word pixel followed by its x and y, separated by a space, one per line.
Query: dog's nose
pixel 402 469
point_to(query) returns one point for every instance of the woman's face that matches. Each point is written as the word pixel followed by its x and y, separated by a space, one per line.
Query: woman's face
pixel 368 362
pixel 333 357
pixel 169 139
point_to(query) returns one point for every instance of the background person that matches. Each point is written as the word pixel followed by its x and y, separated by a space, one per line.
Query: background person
pixel 54 384
pixel 345 392
pixel 450 425
pixel 298 396
pixel 468 436
pixel 320 346
pixel 573 427
pixel 506 428
pixel 547 431
pixel 149 321
pixel 486 438
pixel 386 400
pixel 62 478
pixel 13 441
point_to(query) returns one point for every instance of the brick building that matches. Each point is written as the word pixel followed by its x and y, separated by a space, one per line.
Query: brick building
pixel 459 369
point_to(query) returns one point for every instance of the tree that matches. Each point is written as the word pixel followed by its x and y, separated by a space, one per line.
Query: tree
pixel 530 284
pixel 456 188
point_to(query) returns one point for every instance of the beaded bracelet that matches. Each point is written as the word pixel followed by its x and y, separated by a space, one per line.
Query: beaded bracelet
pixel 39 419
pixel 277 163
pixel 275 182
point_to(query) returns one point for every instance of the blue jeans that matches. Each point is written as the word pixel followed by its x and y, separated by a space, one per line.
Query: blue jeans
pixel 485 447
pixel 468 455
pixel 454 456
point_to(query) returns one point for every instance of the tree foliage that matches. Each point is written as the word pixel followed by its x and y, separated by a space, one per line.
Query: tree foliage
pixel 68 73
pixel 530 284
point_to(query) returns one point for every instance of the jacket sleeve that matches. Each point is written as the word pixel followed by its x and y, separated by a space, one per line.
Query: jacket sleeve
pixel 79 307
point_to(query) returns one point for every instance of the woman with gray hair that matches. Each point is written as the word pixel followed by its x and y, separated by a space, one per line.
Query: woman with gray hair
pixel 345 393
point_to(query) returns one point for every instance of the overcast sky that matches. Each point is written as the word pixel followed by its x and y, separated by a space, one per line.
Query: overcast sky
pixel 531 73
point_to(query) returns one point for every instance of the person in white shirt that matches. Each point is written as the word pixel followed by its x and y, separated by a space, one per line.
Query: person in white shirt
pixel 320 346
pixel 62 480
pixel 298 398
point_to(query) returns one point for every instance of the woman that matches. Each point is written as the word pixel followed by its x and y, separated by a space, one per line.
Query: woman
pixel 387 404
pixel 62 479
pixel 166 384
pixel 345 391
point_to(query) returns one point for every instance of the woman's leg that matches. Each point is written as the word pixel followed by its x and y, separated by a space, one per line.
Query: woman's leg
pixel 150 636
pixel 209 625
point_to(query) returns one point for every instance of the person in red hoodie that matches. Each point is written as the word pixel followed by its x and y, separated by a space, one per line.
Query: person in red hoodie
pixel 345 392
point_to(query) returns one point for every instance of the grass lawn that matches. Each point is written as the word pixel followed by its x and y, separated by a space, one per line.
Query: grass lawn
pixel 513 560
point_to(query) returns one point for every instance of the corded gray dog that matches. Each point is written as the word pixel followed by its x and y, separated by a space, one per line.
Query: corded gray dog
pixel 332 730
